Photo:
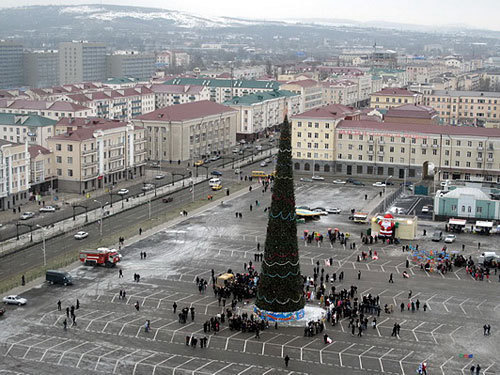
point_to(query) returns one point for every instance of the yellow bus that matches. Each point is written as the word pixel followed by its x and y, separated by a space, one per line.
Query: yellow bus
pixel 263 174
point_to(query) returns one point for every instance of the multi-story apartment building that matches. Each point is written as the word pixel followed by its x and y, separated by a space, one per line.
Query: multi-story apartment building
pixel 313 136
pixel 14 174
pixel 423 72
pixel 11 64
pixel 311 92
pixel 121 104
pixel 465 107
pixel 33 129
pixel 340 92
pixel 166 95
pixel 98 154
pixel 260 113
pixel 189 131
pixel 53 110
pixel 41 68
pixel 356 147
pixel 245 72
pixel 81 61
pixel 222 90
pixel 393 97
pixel 131 64
pixel 42 171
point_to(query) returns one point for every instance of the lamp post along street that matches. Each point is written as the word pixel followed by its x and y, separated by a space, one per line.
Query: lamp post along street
pixel 385 190
pixel 43 246
pixel 149 207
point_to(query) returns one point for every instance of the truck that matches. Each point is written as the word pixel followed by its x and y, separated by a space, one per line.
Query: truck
pixel 101 256
pixel 58 277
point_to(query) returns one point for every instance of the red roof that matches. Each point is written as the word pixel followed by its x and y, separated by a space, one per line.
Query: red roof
pixel 304 83
pixel 411 110
pixel 419 128
pixel 41 105
pixel 87 132
pixel 332 111
pixel 187 111
pixel 391 91
pixel 35 150
pixel 87 121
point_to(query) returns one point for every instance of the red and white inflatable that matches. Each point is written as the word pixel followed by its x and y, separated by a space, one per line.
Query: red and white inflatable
pixel 386 225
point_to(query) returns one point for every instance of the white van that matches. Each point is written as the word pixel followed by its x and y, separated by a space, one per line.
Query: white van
pixel 214 181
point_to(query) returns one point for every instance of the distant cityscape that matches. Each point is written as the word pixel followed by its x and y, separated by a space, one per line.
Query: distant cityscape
pixel 84 115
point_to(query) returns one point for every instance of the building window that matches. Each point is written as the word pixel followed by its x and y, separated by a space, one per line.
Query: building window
pixel 299 134
pixel 457 163
pixel 58 159
pixel 299 144
pixel 59 172
pixel 299 125
pixel 70 172
pixel 70 160
pixel 58 147
pixel 349 156
pixel 402 150
pixel 457 153
pixel 70 148
pixel 360 147
pixel 327 136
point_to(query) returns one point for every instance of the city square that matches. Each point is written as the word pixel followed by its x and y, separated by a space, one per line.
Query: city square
pixel 110 337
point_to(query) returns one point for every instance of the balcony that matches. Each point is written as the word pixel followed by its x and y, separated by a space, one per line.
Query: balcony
pixel 424 145
pixel 381 142
pixel 90 176
pixel 92 151
pixel 88 163
pixel 480 148
pixel 490 160
pixel 370 141
pixel 435 146
pixel 380 153
pixel 370 152
pixel 116 145
pixel 479 159
pixel 116 157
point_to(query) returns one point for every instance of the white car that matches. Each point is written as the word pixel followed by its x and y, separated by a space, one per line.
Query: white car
pixel 15 300
pixel 338 182
pixel 122 192
pixel 237 171
pixel 27 215
pixel 318 178
pixel 258 148
pixel 425 209
pixel 379 184
pixel 48 209
pixel 333 210
pixel 159 176
pixel 267 160
pixel 214 158
pixel 146 187
pixel 81 235
pixel 236 150
pixel 450 238
pixel 263 164
pixel 320 211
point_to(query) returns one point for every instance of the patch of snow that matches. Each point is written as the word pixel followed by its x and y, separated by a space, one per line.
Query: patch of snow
pixel 81 9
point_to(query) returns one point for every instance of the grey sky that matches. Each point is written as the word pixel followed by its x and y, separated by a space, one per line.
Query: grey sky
pixel 477 14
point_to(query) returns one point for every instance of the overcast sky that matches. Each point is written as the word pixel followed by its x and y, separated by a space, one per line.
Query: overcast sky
pixel 478 13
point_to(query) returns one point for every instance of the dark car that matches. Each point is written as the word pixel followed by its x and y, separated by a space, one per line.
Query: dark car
pixel 58 277
pixel 216 173
pixel 357 183
pixel 167 199
pixel 437 236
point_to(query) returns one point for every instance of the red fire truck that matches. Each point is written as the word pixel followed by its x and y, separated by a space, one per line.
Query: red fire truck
pixel 101 256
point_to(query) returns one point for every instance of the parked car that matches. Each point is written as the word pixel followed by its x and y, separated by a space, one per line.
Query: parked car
pixel 58 277
pixel 450 238
pixel 81 235
pixel 263 164
pixel 237 171
pixel 379 184
pixel 167 199
pixel 215 157
pixel 122 192
pixel 318 178
pixel 159 176
pixel 338 182
pixel 437 236
pixel 258 147
pixel 241 152
pixel 320 210
pixel 15 300
pixel 216 173
pixel 48 209
pixel 216 187
pixel 199 163
pixel 27 215
pixel 236 150
pixel 148 187
pixel 333 210
pixel 305 179
pixel 425 209
pixel 357 183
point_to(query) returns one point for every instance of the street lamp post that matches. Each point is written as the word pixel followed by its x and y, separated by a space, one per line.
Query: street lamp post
pixel 43 245
pixel 385 190
pixel 149 207
pixel 102 215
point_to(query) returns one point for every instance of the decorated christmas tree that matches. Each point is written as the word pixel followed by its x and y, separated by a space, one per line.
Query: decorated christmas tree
pixel 280 286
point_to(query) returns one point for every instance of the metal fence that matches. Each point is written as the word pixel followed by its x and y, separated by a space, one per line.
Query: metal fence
pixel 389 200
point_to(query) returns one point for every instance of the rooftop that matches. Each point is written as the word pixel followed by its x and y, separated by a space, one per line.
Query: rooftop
pixel 332 111
pixel 476 193
pixel 396 91
pixel 304 83
pixel 259 97
pixel 186 111
pixel 35 150
pixel 487 94
pixel 175 89
pixel 87 132
pixel 420 128
pixel 410 110
pixel 27 120
pixel 213 82
pixel 41 105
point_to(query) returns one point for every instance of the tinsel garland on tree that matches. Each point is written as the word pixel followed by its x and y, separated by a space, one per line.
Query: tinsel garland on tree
pixel 280 286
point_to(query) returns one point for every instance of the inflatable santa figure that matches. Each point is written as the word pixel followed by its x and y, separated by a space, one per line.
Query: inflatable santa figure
pixel 386 225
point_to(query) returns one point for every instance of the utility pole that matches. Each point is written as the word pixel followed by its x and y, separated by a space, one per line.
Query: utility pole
pixel 43 245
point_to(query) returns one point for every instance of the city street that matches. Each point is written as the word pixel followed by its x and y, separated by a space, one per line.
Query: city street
pixel 110 334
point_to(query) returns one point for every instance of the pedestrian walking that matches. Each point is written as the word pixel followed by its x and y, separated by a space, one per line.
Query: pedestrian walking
pixel 472 369
pixel 23 281
pixel 141 254
pixel 174 306
pixel 120 273
pixel 407 263
pixel 390 279
pixel 59 305
pixel 287 360
pixel 65 324
pixel 67 312
pixel 140 231
pixel 77 303
pixel 359 275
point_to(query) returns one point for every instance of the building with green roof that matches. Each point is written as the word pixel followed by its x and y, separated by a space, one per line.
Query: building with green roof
pixel 260 113
pixel 222 90
pixel 20 128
